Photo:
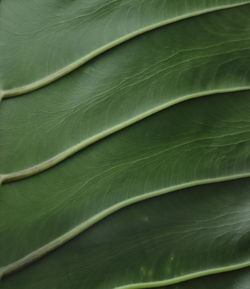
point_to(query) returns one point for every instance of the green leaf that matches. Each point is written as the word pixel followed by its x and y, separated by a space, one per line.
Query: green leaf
pixel 125 144
pixel 231 280
pixel 176 237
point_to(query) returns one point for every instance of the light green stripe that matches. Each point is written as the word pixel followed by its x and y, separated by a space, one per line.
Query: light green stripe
pixel 44 250
pixel 5 178
pixel 187 277
pixel 76 64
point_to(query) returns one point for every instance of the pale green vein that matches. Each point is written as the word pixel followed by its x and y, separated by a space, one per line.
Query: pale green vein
pixel 44 250
pixel 79 62
pixel 5 178
pixel 187 277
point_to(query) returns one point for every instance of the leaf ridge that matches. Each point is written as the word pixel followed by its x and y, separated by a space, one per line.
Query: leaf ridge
pixel 187 277
pixel 18 175
pixel 63 239
pixel 81 61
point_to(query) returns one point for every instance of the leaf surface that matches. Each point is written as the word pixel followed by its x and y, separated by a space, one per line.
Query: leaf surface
pixel 192 58
pixel 52 38
pixel 132 170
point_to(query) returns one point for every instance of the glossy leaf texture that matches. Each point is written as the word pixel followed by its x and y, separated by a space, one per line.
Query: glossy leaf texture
pixel 125 144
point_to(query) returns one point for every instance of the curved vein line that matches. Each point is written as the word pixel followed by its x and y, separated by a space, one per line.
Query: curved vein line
pixel 187 277
pixel 18 175
pixel 63 239
pixel 76 64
